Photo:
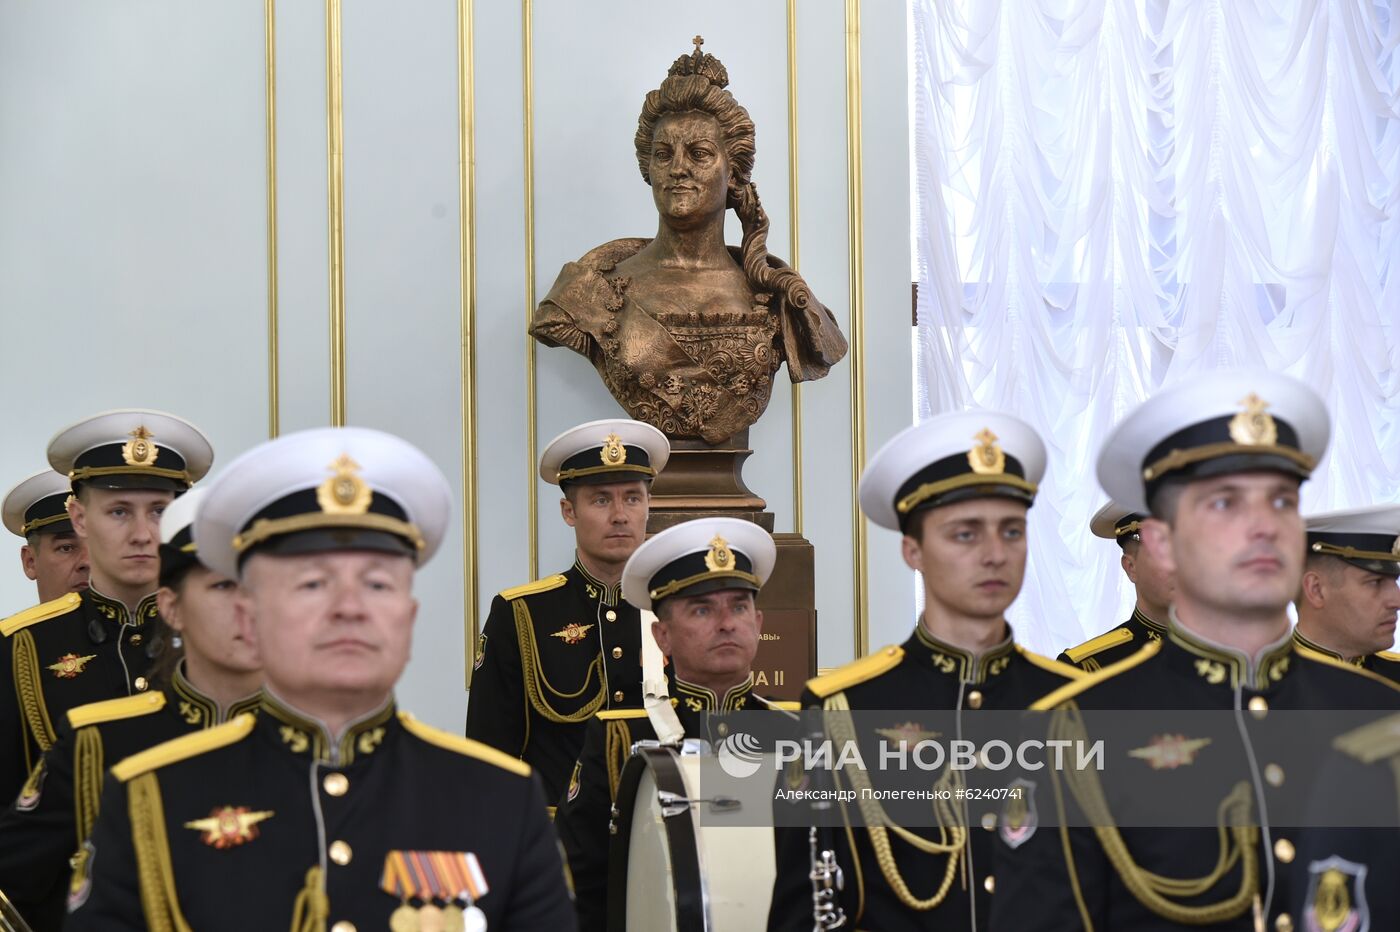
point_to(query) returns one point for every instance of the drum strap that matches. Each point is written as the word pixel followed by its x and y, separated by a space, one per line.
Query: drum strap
pixel 655 695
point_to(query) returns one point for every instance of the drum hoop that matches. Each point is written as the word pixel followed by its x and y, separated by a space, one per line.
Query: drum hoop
pixel 692 905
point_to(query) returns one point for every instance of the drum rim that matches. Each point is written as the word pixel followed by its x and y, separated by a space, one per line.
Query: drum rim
pixel 692 909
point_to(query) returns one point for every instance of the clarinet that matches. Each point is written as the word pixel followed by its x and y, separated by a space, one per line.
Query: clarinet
pixel 825 874
pixel 827 882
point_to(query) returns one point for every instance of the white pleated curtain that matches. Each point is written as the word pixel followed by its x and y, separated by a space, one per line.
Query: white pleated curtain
pixel 1113 195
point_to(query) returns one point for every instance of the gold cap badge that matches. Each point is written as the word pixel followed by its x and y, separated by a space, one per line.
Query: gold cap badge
pixel 720 558
pixel 139 450
pixel 344 493
pixel 613 452
pixel 1253 427
pixel 986 458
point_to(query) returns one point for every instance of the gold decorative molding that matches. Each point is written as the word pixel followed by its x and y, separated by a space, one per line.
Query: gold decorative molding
pixel 274 409
pixel 855 229
pixel 795 241
pixel 335 175
pixel 466 319
pixel 527 29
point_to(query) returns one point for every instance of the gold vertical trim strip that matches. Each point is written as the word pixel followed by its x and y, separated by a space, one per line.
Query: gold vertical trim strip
pixel 795 241
pixel 274 409
pixel 466 322
pixel 527 23
pixel 335 179
pixel 854 223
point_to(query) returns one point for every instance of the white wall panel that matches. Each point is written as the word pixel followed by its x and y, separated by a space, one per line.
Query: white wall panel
pixel 133 238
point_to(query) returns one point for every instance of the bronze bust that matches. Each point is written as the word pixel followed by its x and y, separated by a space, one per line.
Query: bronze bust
pixel 686 332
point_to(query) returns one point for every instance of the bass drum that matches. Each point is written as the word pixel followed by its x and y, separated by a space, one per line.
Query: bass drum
pixel 666 871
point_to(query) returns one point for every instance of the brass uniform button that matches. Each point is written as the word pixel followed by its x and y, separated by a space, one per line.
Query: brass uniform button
pixel 140 683
pixel 617 653
pixel 989 821
pixel 618 696
pixel 990 884
pixel 974 699
pixel 1284 923
pixel 723 729
pixel 610 615
pixel 343 926
pixel 1259 706
pixel 336 784
pixel 1283 850
pixel 135 639
pixel 1273 773
pixel 341 853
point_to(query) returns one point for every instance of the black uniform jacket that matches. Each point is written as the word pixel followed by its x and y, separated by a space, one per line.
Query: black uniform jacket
pixel 889 883
pixel 1347 875
pixel 42 835
pixel 1386 663
pixel 584 810
pixel 551 655
pixel 1156 878
pixel 267 822
pixel 76 649
pixel 1115 644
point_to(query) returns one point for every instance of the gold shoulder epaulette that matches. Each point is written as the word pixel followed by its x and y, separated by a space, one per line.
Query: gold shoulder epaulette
pixel 111 710
pixel 857 671
pixel 1070 690
pixel 1054 666
pixel 787 705
pixel 1319 657
pixel 1390 655
pixel 1371 742
pixel 41 612
pixel 613 715
pixel 539 585
pixel 466 746
pixel 185 747
pixel 1101 643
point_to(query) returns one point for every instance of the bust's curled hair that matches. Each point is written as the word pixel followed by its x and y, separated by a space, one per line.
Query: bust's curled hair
pixel 697 84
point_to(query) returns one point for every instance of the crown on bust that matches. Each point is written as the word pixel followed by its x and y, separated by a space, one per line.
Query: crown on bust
pixel 707 66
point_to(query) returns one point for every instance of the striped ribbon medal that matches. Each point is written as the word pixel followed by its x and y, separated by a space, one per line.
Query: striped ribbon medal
pixel 452 877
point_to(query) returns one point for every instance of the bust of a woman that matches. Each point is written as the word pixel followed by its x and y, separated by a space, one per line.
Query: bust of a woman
pixel 686 332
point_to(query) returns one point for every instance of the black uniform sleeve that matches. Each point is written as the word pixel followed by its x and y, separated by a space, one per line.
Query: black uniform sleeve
pixel 540 896
pixel 12 768
pixel 496 712
pixel 108 898
pixel 582 824
pixel 37 841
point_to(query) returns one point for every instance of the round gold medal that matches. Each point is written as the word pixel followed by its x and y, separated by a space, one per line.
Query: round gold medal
pixel 452 919
pixel 430 918
pixel 404 919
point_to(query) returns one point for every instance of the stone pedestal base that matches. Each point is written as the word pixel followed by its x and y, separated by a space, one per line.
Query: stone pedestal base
pixel 787 651
pixel 702 481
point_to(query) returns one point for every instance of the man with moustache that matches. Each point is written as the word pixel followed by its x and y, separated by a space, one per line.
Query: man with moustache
pixel 957 487
pixel 124 467
pixel 215 678
pixel 1349 597
pixel 1217 462
pixel 701 579
pixel 556 651
pixel 1152 585
pixel 330 809
pixel 36 511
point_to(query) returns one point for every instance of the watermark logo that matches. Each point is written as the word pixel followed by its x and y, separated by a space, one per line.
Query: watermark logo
pixel 740 755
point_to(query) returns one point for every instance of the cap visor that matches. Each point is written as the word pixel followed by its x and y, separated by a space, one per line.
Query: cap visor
pixel 324 540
